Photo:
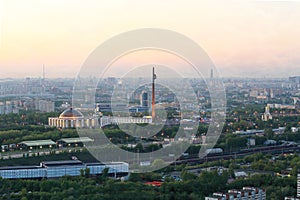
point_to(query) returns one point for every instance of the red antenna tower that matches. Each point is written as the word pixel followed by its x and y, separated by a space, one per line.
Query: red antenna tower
pixel 153 94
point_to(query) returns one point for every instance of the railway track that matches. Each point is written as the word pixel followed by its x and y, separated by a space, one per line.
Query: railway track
pixel 227 156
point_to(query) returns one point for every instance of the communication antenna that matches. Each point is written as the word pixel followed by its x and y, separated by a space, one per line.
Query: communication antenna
pixel 153 94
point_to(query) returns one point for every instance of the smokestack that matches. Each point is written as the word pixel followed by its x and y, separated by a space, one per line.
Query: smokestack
pixel 153 94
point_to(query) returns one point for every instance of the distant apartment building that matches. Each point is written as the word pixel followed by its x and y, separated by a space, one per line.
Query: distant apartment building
pixel 8 107
pixel 281 106
pixel 298 185
pixel 265 93
pixel 144 99
pixel 2 108
pixel 298 190
pixel 258 93
pixel 45 105
pixel 247 193
pixel 295 79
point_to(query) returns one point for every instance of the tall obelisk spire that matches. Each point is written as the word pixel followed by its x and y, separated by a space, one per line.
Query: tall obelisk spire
pixel 153 94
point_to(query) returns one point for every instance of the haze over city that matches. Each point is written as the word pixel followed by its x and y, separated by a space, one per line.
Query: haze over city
pixel 243 39
pixel 173 99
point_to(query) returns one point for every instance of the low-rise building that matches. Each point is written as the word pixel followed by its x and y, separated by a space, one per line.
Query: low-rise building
pixel 36 144
pixel 247 193
pixel 56 169
pixel 73 142
pixel 45 105
pixel 267 115
pixel 72 118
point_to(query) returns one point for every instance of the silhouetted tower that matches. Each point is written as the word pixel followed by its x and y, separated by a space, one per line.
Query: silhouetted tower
pixel 153 94
pixel 211 73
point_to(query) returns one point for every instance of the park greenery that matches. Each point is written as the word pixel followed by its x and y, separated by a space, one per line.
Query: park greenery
pixel 190 186
pixel 196 181
pixel 28 125
pixel 275 173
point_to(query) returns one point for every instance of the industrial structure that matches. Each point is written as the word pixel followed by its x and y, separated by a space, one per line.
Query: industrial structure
pixel 153 93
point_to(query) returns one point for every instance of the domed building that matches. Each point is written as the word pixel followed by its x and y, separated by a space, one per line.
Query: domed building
pixel 72 118
pixel 71 113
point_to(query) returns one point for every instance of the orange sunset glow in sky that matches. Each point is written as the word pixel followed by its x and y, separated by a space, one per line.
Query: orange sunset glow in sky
pixel 243 38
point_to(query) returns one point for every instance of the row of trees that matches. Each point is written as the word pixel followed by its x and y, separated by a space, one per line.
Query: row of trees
pixel 16 136
pixel 244 117
pixel 191 187
pixel 17 121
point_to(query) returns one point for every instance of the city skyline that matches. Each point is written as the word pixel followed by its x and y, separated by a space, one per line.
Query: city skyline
pixel 243 39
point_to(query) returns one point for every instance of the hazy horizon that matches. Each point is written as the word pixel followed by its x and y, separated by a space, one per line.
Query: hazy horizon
pixel 243 39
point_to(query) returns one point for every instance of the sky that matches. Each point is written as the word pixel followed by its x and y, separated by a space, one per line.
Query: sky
pixel 242 38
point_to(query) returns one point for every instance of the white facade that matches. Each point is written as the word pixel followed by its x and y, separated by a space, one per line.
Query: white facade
pixel 298 190
pixel 71 122
pixel 45 106
pixel 294 129
pixel 267 115
pixel 2 108
pixel 8 107
pixel 298 185
pixel 74 119
pixel 247 193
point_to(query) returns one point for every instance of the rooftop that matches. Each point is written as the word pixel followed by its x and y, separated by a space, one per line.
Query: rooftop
pixel 38 143
pixel 76 140
pixel 61 163
pixel 71 113
pixel 19 167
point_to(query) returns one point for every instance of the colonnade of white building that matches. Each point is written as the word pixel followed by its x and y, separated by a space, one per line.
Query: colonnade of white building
pixel 74 123
pixel 130 120
pixel 93 122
